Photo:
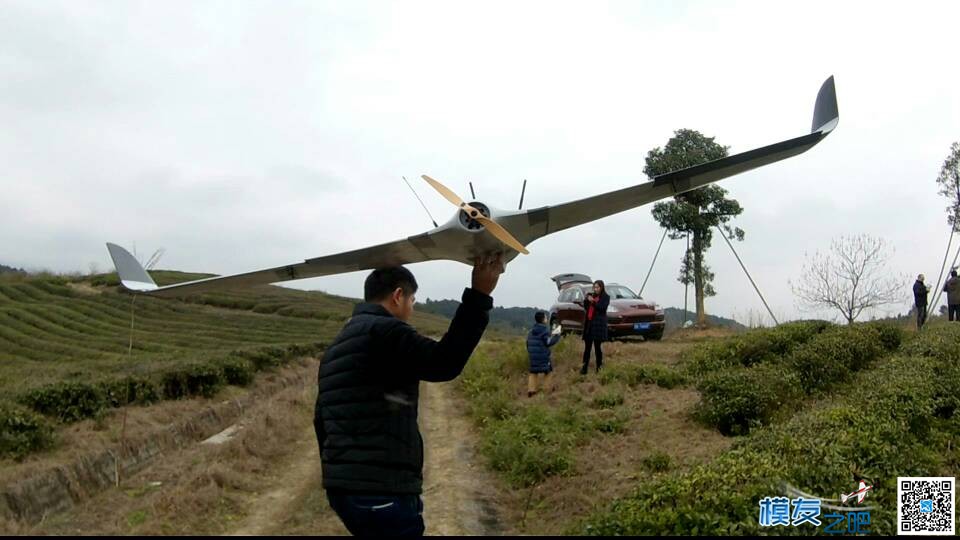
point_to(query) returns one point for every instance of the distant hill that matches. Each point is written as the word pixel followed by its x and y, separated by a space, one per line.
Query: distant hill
pixel 520 319
pixel 516 320
pixel 9 269
pixel 674 318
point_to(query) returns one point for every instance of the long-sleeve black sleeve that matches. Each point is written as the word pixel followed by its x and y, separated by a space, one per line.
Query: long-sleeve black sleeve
pixel 318 427
pixel 443 360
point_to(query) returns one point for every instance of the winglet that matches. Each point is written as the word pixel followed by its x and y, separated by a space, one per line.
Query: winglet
pixel 132 275
pixel 826 115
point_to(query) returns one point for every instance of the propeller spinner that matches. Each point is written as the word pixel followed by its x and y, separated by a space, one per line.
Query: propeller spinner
pixel 492 226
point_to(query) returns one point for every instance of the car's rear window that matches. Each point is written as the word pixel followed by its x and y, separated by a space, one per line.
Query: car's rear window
pixel 619 291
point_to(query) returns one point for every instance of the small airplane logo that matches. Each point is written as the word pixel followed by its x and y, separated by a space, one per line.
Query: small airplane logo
pixel 860 493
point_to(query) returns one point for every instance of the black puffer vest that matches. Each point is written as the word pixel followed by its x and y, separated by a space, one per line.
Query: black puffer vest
pixel 366 411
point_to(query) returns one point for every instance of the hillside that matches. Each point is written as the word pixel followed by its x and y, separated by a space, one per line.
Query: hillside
pixel 67 351
pixel 81 328
pixel 630 450
pixel 520 319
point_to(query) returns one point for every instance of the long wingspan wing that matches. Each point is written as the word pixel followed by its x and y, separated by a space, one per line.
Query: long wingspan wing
pixel 450 242
pixel 536 223
pixel 428 246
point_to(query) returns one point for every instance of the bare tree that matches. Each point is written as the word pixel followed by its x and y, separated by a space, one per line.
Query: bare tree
pixel 851 278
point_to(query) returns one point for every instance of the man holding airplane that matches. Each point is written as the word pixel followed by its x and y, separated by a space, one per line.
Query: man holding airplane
pixel 366 413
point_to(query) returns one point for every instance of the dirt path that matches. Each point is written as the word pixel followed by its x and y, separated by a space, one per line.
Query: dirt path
pixel 458 493
pixel 458 498
pixel 293 494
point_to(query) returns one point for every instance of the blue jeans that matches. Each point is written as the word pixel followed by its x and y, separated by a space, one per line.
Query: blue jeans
pixel 379 515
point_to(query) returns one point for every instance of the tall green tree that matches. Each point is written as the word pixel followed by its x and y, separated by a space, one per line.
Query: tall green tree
pixel 695 213
pixel 949 181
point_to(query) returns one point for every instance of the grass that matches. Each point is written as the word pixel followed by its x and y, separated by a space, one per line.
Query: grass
pixel 528 441
pixel 204 489
pixel 561 453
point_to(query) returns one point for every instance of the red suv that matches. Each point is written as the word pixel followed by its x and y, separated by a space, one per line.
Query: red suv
pixel 628 314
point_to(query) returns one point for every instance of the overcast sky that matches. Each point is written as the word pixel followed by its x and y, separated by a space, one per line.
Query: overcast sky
pixel 246 135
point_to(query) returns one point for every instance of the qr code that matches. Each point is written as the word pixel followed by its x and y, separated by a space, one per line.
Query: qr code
pixel 926 505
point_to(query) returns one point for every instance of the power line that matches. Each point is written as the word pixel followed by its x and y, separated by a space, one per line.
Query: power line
pixel 654 261
pixel 943 266
pixel 939 288
pixel 748 275
pixel 686 279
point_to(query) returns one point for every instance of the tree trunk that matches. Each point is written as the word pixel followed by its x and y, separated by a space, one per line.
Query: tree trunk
pixel 698 277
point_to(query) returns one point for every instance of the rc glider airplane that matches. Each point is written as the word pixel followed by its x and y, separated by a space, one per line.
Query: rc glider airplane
pixel 478 229
pixel 860 493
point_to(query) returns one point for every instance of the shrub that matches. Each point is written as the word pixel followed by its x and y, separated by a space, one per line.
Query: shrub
pixel 66 401
pixel 891 335
pixel 22 432
pixel 196 380
pixel 128 390
pixel 751 348
pixel 737 400
pixel 713 356
pixel 271 357
pixel 635 374
pixel 833 356
pixel 264 358
pixel 237 371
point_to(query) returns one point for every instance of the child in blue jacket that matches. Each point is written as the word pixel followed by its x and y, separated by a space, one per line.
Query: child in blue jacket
pixel 539 341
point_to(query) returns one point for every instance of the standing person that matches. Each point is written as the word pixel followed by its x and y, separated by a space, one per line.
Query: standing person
pixel 595 324
pixel 920 291
pixel 539 341
pixel 952 288
pixel 366 414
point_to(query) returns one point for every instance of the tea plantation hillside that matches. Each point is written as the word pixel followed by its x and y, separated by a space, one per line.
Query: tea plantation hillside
pixel 67 351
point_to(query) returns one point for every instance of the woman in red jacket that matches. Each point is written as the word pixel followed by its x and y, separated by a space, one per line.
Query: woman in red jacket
pixel 595 324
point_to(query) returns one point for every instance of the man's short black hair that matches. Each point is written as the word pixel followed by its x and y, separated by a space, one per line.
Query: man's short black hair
pixel 953 273
pixel 383 281
pixel 540 317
